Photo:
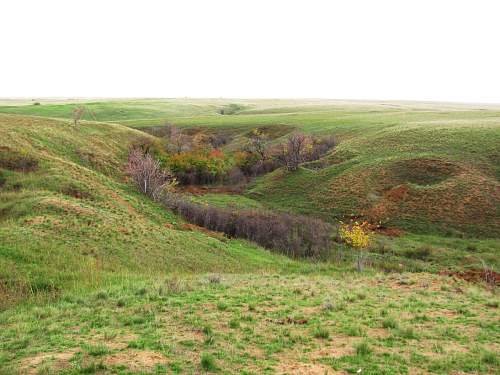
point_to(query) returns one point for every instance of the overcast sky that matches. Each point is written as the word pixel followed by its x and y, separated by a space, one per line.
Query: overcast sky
pixel 402 49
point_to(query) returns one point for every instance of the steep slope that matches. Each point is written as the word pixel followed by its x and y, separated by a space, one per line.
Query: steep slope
pixel 68 217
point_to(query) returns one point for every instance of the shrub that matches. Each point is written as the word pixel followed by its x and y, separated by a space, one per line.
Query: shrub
pixel 293 152
pixel 251 164
pixel 218 139
pixel 355 235
pixel 199 166
pixel 421 253
pixel 235 176
pixel 148 175
pixel 319 147
pixel 293 235
pixel 214 278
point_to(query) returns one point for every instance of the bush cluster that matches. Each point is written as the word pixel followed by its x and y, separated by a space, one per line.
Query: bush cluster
pixel 196 158
pixel 199 167
pixel 292 235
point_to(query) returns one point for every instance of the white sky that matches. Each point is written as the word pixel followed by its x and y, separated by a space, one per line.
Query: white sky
pixel 375 49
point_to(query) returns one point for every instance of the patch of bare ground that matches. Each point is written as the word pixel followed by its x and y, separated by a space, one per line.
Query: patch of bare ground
pixel 378 333
pixel 136 360
pixel 334 351
pixel 56 361
pixel 119 342
pixel 442 313
pixel 487 276
pixel 300 368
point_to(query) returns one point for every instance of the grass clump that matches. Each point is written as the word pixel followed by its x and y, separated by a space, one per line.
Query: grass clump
pixel 363 349
pixel 208 363
pixel 389 323
pixel 321 333
pixel 97 350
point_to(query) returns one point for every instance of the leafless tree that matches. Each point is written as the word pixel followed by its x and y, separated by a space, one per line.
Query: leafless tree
pixel 148 175
pixel 178 140
pixel 292 153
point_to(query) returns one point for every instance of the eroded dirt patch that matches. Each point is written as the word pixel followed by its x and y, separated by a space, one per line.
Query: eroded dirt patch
pixel 476 276
pixel 56 361
pixel 135 360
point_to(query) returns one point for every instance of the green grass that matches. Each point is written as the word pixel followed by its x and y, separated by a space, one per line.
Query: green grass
pixel 227 200
pixel 286 328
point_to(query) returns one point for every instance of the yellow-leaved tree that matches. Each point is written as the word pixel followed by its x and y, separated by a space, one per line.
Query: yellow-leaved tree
pixel 358 236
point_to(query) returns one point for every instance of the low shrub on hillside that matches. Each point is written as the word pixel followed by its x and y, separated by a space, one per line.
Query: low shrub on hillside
pixel 293 235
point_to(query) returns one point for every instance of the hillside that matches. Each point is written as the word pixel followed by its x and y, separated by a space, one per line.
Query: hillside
pixel 69 218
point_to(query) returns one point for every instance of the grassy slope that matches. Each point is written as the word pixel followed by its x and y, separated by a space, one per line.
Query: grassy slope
pixel 51 237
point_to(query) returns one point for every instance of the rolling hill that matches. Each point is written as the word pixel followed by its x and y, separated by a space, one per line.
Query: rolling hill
pixel 96 278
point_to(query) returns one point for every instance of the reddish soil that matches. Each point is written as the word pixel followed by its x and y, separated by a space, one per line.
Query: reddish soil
pixel 397 194
pixel 476 276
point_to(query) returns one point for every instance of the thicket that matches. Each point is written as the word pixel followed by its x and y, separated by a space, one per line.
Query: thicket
pixel 196 158
pixel 292 235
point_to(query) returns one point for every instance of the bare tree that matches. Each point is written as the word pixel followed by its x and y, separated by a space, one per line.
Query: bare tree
pixel 148 175
pixel 178 140
pixel 292 152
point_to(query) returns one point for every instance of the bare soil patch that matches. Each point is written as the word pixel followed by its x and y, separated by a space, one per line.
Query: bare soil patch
pixel 135 360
